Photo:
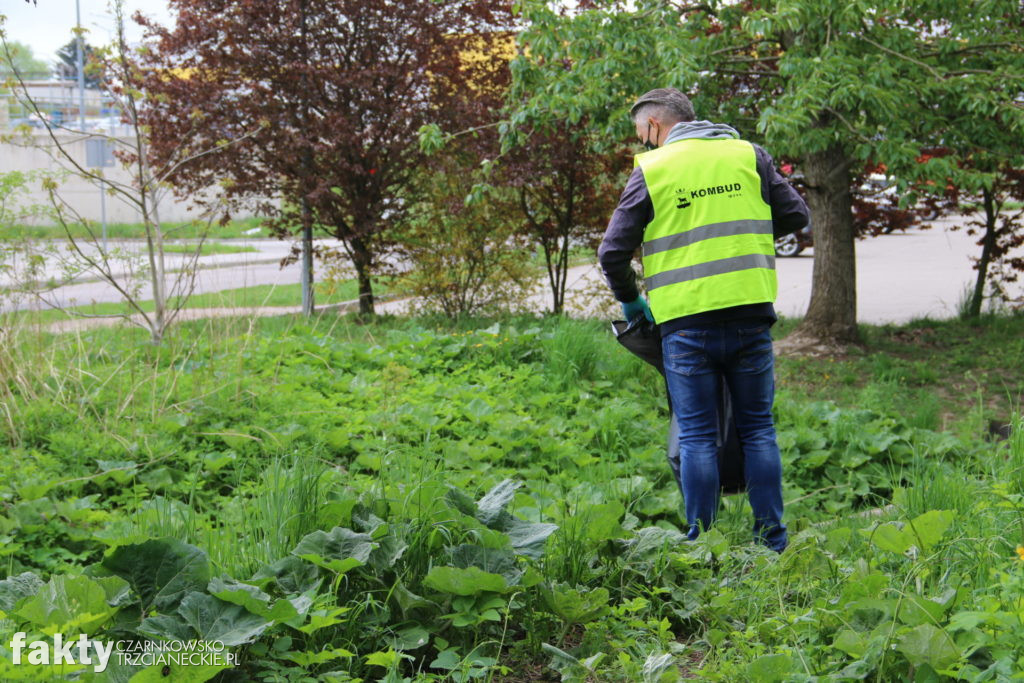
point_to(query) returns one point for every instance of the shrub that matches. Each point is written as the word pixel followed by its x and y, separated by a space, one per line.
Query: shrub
pixel 460 246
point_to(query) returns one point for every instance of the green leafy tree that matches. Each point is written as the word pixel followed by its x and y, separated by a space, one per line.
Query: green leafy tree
pixel 67 64
pixel 23 61
pixel 996 219
pixel 834 85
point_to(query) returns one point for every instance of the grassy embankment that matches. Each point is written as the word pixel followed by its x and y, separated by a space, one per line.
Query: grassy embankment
pixel 209 248
pixel 242 298
pixel 188 230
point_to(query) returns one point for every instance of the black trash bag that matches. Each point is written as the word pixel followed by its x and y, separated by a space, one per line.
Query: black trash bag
pixel 642 338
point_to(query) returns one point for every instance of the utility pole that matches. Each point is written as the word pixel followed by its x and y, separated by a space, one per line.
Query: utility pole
pixel 100 154
pixel 306 278
pixel 80 63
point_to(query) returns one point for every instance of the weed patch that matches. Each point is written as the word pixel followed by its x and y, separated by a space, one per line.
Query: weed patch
pixel 425 500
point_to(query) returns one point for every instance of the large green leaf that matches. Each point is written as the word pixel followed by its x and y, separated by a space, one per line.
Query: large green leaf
pixel 575 606
pixel 179 673
pixel 850 642
pixel 390 547
pixel 926 644
pixel 469 581
pixel 493 560
pixel 14 589
pixel 68 603
pixel 770 668
pixel 238 593
pixel 216 620
pixel 160 571
pixel 918 609
pixel 492 505
pixel 923 532
pixel 290 575
pixel 339 550
pixel 527 538
pixel 204 617
pixel 652 541
pixel 659 667
pixel 408 601
pixel 322 618
pixel 457 499
pixel 409 638
pixel 308 660
pixel 928 529
pixel 256 601
pixel 595 523
pixel 890 537
pixel 119 592
pixel 806 562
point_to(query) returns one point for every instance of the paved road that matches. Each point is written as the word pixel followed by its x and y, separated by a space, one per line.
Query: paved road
pixel 902 276
pixel 899 277
pixel 216 273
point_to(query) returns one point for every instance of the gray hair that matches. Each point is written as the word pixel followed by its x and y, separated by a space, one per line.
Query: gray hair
pixel 664 104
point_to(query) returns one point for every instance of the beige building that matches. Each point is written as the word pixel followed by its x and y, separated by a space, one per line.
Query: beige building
pixel 36 151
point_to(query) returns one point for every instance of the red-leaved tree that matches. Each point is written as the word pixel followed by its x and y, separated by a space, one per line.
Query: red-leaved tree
pixel 340 86
pixel 566 188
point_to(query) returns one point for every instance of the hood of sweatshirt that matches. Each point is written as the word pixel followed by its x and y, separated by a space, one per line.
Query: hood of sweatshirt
pixel 704 130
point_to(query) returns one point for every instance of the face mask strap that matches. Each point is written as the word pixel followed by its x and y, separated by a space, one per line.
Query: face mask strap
pixel 647 143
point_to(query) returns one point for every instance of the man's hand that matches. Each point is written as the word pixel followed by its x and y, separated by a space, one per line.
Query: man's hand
pixel 635 308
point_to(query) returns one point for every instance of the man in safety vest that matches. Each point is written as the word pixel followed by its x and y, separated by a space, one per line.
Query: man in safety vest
pixel 707 207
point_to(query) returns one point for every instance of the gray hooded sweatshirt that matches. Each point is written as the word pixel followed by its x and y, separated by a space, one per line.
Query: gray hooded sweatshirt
pixel 625 231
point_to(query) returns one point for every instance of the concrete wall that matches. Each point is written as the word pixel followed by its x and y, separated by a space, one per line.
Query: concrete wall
pixel 36 152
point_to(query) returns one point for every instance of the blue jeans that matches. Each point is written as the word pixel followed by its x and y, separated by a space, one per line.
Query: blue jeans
pixel 741 352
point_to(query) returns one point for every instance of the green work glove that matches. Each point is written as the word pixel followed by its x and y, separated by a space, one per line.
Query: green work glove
pixel 635 308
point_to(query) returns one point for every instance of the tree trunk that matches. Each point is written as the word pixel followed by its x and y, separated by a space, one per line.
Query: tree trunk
pixel 362 260
pixel 987 247
pixel 154 245
pixel 551 263
pixel 832 314
pixel 306 276
pixel 563 272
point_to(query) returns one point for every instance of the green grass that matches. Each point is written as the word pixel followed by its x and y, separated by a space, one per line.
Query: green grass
pixel 940 374
pixel 180 230
pixel 324 293
pixel 578 256
pixel 210 248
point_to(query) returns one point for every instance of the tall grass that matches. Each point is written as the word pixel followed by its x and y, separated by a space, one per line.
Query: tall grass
pixel 275 511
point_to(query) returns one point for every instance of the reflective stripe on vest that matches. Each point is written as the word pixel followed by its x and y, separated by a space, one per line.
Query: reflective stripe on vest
pixel 710 243
pixel 699 270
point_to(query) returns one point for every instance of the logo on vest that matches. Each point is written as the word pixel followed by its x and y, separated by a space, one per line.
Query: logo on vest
pixel 684 196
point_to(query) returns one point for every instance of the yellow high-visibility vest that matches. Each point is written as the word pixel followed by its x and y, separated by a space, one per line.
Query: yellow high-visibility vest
pixel 710 244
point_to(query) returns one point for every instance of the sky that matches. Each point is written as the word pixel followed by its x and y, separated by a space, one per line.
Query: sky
pixel 46 26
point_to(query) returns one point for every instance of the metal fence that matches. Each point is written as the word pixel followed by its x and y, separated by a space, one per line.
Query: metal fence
pixel 60 103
